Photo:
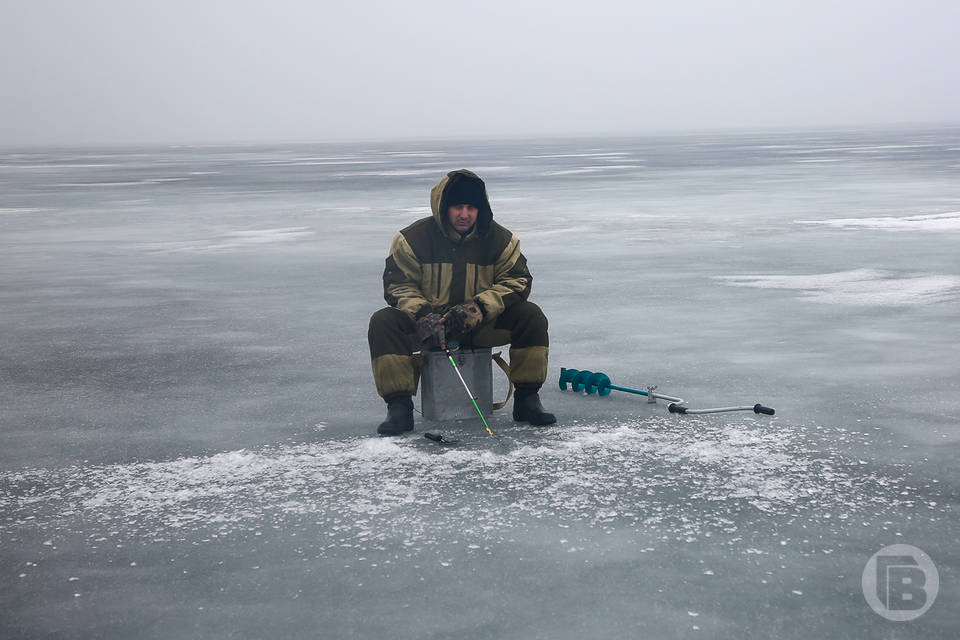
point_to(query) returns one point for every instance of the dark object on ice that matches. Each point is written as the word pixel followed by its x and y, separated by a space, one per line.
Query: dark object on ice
pixel 527 407
pixel 759 408
pixel 600 384
pixel 399 416
pixel 439 438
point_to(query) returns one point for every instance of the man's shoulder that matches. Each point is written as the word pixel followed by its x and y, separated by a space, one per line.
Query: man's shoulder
pixel 499 236
pixel 419 224
pixel 420 227
pixel 418 235
pixel 499 231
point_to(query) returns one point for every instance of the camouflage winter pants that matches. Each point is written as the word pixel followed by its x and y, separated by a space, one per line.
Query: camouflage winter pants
pixel 393 339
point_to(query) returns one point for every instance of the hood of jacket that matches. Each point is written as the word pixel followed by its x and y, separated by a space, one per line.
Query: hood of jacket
pixel 438 204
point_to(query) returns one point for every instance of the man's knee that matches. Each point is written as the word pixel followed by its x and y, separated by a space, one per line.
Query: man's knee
pixel 535 316
pixel 388 319
pixel 527 324
pixel 389 332
pixel 530 346
pixel 390 348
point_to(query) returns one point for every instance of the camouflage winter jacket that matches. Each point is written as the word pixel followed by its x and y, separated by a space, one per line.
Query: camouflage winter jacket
pixel 431 267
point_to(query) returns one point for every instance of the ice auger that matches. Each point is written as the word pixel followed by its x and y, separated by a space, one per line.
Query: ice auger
pixel 600 384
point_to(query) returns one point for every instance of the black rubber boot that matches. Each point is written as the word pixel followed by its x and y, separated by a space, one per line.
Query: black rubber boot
pixel 399 416
pixel 527 407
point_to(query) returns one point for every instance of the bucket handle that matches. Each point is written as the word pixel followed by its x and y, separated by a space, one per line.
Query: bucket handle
pixel 506 369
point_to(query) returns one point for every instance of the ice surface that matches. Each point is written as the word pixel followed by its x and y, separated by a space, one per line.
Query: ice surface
pixel 187 410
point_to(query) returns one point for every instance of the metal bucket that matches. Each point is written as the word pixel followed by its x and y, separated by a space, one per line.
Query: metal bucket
pixel 442 396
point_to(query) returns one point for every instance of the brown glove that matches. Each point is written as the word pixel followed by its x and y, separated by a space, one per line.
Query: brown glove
pixel 463 318
pixel 431 331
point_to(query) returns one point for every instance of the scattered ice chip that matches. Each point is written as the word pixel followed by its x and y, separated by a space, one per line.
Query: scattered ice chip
pixel 361 490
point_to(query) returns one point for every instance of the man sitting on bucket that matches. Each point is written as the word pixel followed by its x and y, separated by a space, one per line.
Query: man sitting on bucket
pixel 461 273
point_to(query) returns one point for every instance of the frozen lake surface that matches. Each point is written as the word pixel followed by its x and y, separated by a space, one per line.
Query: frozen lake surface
pixel 187 412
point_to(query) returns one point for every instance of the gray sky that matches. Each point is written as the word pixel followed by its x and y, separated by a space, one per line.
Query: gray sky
pixel 173 71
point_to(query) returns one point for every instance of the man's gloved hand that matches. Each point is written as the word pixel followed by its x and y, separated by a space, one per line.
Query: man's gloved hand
pixel 463 318
pixel 430 330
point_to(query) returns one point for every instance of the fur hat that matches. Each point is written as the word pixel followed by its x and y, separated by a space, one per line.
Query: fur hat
pixel 466 191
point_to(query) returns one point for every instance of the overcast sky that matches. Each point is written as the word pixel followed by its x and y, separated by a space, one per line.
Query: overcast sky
pixel 198 71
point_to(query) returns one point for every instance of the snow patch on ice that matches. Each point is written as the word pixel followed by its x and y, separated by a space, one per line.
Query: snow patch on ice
pixel 541 232
pixel 233 240
pixel 10 211
pixel 928 222
pixel 122 183
pixel 866 148
pixel 415 154
pixel 857 287
pixel 568 172
pixel 333 160
pixel 591 169
pixel 609 154
pixel 681 478
pixel 398 172
pixel 420 211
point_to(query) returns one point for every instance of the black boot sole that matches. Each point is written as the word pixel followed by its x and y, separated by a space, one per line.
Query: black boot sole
pixel 537 422
pixel 393 432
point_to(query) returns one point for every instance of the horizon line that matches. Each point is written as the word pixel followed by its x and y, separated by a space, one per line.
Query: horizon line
pixel 399 139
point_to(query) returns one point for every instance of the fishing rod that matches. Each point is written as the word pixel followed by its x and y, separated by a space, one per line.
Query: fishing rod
pixel 473 398
pixel 600 384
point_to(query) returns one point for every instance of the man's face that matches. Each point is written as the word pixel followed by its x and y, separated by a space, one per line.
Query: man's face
pixel 462 216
